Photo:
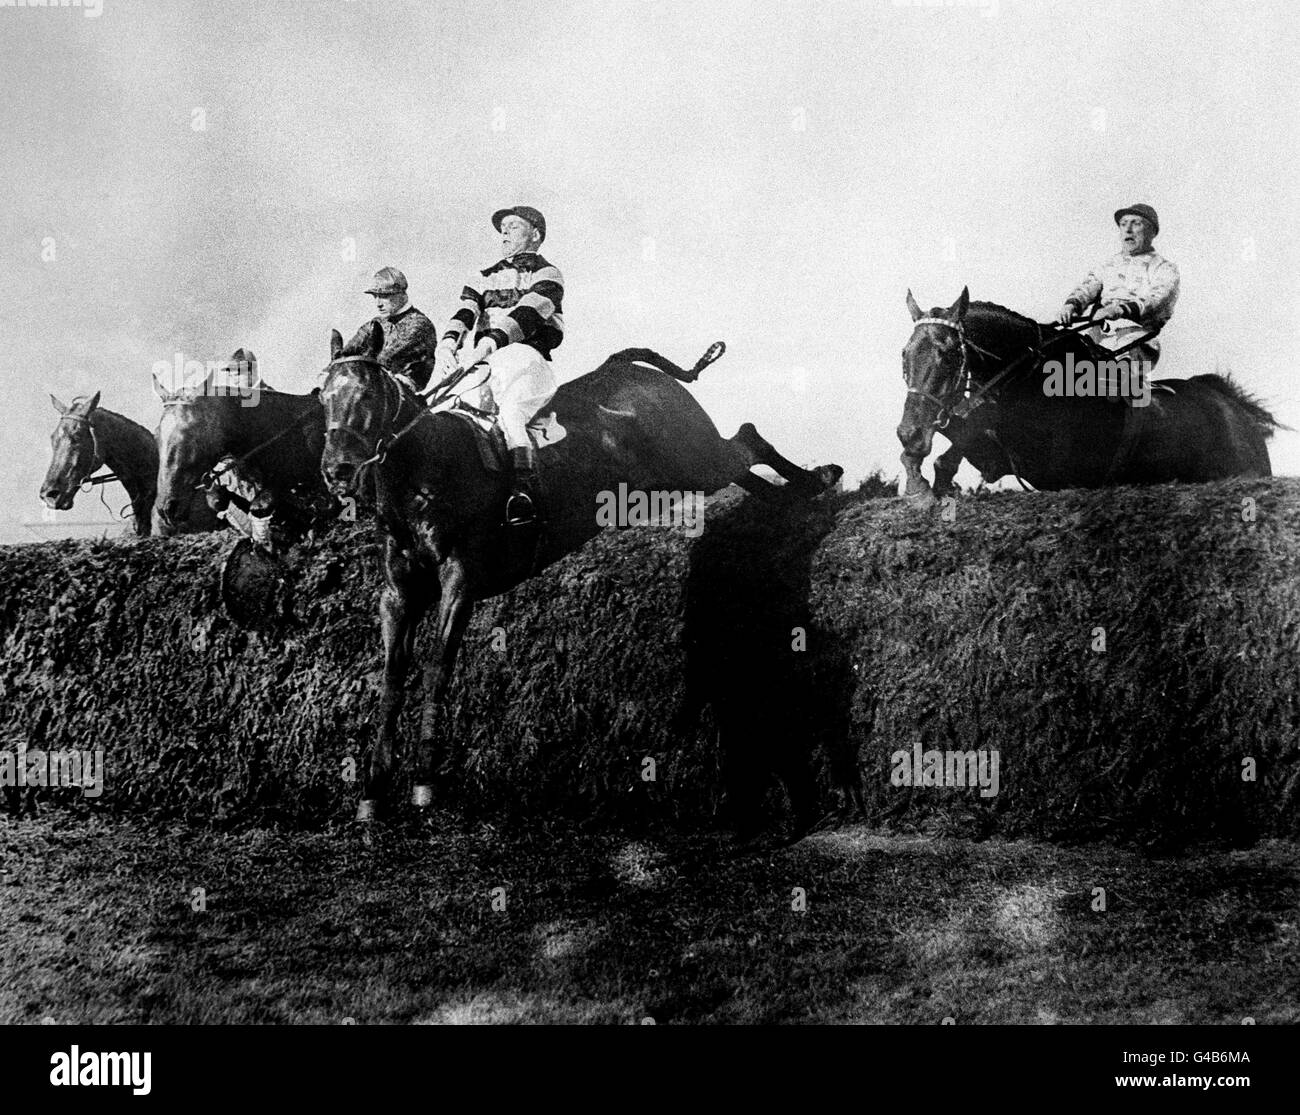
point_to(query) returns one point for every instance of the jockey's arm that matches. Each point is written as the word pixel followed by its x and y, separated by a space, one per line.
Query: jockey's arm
pixel 458 328
pixel 1081 297
pixel 1156 305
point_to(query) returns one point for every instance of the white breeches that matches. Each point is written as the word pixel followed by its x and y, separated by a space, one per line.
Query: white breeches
pixel 521 384
pixel 1117 333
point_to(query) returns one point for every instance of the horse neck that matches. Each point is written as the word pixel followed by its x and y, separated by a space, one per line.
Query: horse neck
pixel 266 429
pixel 999 331
pixel 128 449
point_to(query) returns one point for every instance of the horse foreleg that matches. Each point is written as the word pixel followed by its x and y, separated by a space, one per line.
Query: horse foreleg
pixel 402 603
pixel 805 482
pixel 454 610
pixel 945 468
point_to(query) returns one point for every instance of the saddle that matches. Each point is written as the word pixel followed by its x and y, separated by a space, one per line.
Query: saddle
pixel 543 431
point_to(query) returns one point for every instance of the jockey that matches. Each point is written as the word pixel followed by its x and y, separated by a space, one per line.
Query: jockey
pixel 239 484
pixel 513 307
pixel 1137 290
pixel 409 336
pixel 241 370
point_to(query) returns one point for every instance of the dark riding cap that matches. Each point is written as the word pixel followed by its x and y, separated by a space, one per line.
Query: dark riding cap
pixel 527 212
pixel 1144 211
pixel 388 280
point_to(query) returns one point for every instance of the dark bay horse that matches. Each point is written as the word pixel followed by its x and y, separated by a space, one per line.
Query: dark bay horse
pixel 441 509
pixel 1203 428
pixel 283 435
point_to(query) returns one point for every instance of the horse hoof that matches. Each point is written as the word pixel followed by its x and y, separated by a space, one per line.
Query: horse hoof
pixel 422 797
pixel 828 476
pixel 921 497
pixel 366 810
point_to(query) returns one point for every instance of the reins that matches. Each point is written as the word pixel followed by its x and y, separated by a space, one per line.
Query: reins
pixel 294 424
pixel 439 398
pixel 971 395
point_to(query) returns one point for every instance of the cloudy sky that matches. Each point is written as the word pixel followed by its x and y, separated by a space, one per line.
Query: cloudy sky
pixel 186 176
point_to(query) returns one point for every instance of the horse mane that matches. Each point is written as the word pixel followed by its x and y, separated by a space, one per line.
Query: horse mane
pixel 993 306
pixel 136 426
pixel 1226 385
pixel 1012 319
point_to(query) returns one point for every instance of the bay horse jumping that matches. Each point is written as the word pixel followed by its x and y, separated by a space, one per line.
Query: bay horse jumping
pixel 974 371
pixel 283 436
pixel 87 438
pixel 441 508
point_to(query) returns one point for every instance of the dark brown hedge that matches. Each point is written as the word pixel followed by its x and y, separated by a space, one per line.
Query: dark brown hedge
pixel 970 634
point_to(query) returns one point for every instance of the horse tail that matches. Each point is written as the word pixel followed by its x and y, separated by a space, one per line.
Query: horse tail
pixel 663 364
pixel 1228 387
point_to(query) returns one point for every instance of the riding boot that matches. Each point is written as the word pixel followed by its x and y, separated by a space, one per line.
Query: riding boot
pixel 521 507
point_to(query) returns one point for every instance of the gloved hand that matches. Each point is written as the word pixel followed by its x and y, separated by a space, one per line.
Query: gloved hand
pixel 444 359
pixel 1110 310
pixel 481 351
pixel 1068 313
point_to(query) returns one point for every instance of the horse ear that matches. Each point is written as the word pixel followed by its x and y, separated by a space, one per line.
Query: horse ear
pixel 60 407
pixel 376 340
pixel 93 403
pixel 912 307
pixel 162 392
pixel 958 309
pixel 336 344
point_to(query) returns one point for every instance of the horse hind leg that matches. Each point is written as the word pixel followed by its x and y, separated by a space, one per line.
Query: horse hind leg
pixel 805 482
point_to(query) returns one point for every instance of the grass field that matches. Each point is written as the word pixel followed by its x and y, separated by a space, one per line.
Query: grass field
pixel 318 927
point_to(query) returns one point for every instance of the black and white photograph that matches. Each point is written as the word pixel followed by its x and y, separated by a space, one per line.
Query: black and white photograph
pixel 604 513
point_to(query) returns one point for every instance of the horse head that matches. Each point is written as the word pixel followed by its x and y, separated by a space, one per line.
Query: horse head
pixel 193 434
pixel 76 452
pixel 361 401
pixel 935 371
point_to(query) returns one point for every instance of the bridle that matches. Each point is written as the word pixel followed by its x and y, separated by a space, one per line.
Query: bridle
pixel 947 408
pixel 965 396
pixel 209 477
pixel 392 407
pixel 89 480
pixel 393 400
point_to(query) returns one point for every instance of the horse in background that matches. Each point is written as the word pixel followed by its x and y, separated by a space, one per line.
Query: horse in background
pixel 88 437
pixel 280 434
pixel 974 372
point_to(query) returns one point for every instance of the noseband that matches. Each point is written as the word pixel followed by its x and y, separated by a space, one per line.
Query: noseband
pixel 392 407
pixel 95 459
pixel 947 408
pixel 944 410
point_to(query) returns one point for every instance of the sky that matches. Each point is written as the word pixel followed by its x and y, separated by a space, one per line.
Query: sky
pixel 190 177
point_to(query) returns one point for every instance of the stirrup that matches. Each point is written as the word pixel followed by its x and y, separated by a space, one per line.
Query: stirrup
pixel 520 510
